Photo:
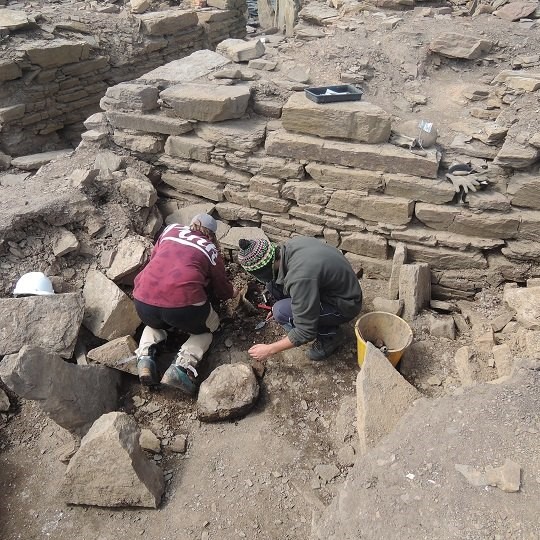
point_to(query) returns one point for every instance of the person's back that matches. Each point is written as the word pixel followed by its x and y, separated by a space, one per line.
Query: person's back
pixel 180 270
pixel 310 259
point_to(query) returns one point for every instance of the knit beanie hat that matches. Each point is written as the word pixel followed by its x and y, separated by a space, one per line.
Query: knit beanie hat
pixel 255 254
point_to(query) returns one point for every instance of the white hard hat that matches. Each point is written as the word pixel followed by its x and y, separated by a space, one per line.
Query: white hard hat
pixel 34 283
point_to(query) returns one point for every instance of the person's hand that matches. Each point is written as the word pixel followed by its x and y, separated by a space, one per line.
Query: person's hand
pixel 260 352
pixel 270 316
pixel 465 182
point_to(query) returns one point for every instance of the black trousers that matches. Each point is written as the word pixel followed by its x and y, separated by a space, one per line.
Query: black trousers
pixel 189 319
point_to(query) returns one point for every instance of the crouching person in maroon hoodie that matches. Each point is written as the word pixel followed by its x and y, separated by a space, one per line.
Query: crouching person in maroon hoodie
pixel 172 292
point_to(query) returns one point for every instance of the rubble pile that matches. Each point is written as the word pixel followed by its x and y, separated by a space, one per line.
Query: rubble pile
pixel 58 61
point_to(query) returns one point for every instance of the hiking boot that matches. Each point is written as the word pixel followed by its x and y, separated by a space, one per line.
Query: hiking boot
pixel 324 346
pixel 147 370
pixel 179 377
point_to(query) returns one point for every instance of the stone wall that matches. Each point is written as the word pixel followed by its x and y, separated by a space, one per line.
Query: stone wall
pixel 50 81
pixel 323 171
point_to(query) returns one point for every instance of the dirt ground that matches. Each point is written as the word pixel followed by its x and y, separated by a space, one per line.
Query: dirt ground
pixel 252 478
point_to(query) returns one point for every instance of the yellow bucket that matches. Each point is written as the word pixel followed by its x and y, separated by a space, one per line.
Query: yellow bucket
pixel 392 330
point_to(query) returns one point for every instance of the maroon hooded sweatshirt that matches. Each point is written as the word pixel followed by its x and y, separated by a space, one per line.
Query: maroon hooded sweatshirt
pixel 183 269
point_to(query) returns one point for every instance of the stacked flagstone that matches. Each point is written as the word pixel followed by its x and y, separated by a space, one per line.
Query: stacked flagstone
pixel 50 85
pixel 326 171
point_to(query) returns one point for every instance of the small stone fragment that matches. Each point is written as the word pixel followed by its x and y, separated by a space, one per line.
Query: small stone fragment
pixel 443 327
pixel 64 242
pixel 179 444
pixel 346 456
pixel 507 477
pixel 149 441
pixel 327 472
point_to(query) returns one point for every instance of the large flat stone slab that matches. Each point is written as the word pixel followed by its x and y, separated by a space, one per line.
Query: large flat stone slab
pixel 462 221
pixel 33 162
pixel 12 19
pixel 172 21
pixel 239 50
pixel 352 120
pixel 73 396
pixel 54 53
pixel 205 102
pixel 187 69
pixel 151 123
pixel 242 135
pixel 374 157
pixel 419 189
pixel 187 183
pixel 453 45
pixel 110 468
pixel 51 322
pixel 378 208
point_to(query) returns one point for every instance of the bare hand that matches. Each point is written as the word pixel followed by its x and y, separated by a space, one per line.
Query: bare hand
pixel 260 351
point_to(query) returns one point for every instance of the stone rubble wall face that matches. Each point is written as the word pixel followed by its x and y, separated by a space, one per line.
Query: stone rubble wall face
pixel 48 88
pixel 366 213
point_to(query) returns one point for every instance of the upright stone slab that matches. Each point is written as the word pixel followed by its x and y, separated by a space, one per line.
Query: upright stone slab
pixel 109 312
pixel 51 322
pixel 110 468
pixel 73 396
pixel 383 397
pixel 352 120
pixel 400 256
pixel 206 102
pixel 414 288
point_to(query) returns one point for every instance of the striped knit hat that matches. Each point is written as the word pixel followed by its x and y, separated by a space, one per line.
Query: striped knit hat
pixel 255 254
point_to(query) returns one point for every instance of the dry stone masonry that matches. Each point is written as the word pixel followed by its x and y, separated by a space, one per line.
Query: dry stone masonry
pixel 328 171
pixel 53 79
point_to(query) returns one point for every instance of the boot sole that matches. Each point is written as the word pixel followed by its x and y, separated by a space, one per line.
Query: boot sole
pixel 178 384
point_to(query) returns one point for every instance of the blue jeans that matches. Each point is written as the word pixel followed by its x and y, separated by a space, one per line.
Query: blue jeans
pixel 329 318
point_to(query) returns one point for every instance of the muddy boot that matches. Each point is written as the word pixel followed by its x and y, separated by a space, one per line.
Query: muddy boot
pixel 324 346
pixel 180 378
pixel 147 369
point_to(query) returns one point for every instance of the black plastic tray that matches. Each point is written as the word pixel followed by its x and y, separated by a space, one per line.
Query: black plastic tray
pixel 347 92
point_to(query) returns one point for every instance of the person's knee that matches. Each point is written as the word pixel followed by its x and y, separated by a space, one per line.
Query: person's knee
pixel 281 311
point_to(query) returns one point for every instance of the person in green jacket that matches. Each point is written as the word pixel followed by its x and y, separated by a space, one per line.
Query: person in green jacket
pixel 316 291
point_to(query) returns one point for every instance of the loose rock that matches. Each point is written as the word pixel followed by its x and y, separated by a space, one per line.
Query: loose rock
pixel 110 468
pixel 51 322
pixel 230 391
pixel 73 396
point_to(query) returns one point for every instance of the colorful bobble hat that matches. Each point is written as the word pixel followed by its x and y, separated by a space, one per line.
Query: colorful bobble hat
pixel 255 254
